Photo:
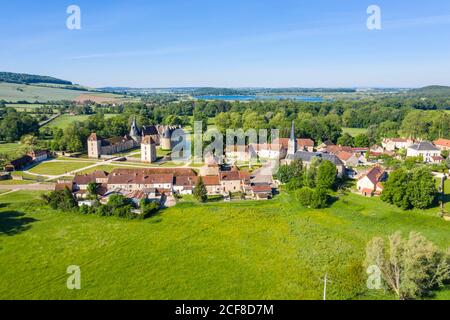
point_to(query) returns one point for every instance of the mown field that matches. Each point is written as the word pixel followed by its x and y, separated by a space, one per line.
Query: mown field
pixel 241 250
pixel 59 167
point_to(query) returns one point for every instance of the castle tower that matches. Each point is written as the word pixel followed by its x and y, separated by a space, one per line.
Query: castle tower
pixel 292 144
pixel 134 132
pixel 148 150
pixel 166 140
pixel 94 146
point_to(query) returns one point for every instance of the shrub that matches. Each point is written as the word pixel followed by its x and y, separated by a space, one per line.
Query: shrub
pixel 313 198
pixel 62 200
pixel 305 196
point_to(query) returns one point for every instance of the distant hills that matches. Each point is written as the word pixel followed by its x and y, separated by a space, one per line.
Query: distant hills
pixel 23 78
pixel 432 91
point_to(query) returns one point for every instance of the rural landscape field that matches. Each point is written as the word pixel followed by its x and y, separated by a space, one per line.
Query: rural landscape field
pixel 148 260
pixel 225 159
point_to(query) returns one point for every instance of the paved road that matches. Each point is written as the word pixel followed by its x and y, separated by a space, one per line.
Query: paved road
pixel 43 123
pixel 265 173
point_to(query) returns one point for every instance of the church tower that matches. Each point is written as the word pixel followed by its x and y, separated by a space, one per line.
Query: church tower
pixel 148 150
pixel 134 132
pixel 292 144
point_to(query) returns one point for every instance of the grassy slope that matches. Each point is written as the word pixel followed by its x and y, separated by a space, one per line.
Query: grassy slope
pixel 354 131
pixel 9 92
pixel 11 148
pixel 31 93
pixel 245 250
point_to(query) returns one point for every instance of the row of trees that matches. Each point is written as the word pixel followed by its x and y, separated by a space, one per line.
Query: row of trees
pixel 117 206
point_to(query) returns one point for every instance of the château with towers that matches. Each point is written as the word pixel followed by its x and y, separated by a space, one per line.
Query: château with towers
pixel 147 137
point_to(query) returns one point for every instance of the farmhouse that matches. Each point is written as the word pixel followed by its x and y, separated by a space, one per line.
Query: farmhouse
pixel 370 183
pixel 271 151
pixel 351 159
pixel 392 144
pixel 81 181
pixel 425 149
pixel 234 181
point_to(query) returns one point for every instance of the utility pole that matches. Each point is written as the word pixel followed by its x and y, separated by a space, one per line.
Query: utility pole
pixel 325 280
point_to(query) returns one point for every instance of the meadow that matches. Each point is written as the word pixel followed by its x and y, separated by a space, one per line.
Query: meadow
pixel 240 250
pixel 354 131
pixel 8 148
pixel 65 120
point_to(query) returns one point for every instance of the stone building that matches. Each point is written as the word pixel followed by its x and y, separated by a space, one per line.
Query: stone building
pixel 148 149
pixel 161 136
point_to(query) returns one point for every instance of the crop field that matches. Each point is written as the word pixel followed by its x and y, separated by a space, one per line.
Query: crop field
pixel 241 250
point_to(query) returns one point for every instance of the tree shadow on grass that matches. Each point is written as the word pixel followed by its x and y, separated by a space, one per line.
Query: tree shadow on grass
pixel 14 222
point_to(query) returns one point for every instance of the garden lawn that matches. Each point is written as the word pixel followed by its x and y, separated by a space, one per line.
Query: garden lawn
pixel 239 250
pixel 59 167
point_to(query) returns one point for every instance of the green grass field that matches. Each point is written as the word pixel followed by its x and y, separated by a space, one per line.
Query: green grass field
pixel 8 148
pixel 354 131
pixel 240 250
pixel 18 92
pixel 65 120
pixel 59 167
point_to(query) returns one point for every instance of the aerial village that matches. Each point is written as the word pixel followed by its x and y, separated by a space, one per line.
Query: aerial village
pixel 222 176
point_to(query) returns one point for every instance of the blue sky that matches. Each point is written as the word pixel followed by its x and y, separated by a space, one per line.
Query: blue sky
pixel 246 43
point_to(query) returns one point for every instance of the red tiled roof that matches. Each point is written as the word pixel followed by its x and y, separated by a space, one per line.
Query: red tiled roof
pixel 139 178
pixel 63 185
pixel 148 171
pixel 262 188
pixel 300 142
pixel 82 179
pixel 442 143
pixel 344 155
pixel 374 174
pixel 211 180
pixel 185 181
